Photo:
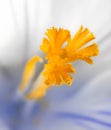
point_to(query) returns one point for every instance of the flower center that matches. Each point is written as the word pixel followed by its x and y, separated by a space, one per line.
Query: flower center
pixel 61 51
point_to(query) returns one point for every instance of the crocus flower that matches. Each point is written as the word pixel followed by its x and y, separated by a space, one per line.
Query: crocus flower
pixel 83 106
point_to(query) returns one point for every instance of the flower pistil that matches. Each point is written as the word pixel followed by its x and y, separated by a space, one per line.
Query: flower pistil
pixel 61 51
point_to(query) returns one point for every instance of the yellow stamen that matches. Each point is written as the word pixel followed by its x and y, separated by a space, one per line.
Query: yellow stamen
pixel 53 44
pixel 61 50
pixel 29 72
pixel 85 54
pixel 58 72
pixel 38 90
pixel 75 50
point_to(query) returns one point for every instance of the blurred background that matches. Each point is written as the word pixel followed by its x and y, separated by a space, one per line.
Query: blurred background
pixel 86 105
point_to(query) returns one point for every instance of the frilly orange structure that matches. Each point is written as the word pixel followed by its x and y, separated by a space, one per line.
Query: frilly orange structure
pixel 61 51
